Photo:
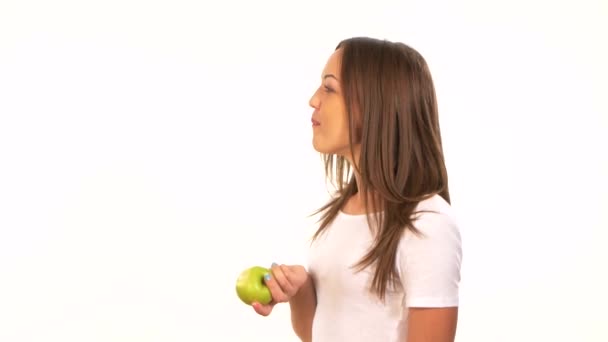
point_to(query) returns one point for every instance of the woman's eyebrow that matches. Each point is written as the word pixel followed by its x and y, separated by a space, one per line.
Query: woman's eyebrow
pixel 332 76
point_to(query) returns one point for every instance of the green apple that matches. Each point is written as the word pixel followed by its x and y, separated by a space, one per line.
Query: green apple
pixel 250 286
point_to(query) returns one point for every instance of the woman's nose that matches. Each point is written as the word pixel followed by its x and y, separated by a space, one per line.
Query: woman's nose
pixel 314 100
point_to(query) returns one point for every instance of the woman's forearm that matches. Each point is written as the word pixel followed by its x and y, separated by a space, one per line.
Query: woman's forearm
pixel 303 306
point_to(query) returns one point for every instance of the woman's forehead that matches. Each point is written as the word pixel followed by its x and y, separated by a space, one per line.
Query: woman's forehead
pixel 333 64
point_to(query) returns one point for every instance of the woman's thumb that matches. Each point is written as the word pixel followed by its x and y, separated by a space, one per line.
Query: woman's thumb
pixel 262 309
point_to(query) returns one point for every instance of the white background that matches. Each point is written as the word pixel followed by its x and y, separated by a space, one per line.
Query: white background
pixel 151 150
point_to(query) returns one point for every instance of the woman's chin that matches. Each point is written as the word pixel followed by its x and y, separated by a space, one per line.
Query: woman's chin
pixel 321 150
pixel 318 148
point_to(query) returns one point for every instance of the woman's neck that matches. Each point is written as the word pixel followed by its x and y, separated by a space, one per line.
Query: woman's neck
pixel 356 203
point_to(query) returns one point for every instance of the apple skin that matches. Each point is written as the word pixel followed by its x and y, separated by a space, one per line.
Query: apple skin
pixel 250 286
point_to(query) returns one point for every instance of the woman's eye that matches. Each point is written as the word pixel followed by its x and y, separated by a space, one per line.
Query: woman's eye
pixel 327 89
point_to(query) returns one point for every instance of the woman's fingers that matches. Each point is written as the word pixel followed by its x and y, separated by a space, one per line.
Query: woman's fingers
pixel 296 275
pixel 278 284
pixel 289 284
pixel 283 282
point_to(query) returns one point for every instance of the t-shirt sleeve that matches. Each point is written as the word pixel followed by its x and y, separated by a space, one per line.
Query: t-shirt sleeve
pixel 429 263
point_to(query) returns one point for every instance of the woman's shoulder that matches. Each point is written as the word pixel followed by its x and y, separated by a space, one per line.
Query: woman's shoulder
pixel 434 203
pixel 429 260
pixel 435 218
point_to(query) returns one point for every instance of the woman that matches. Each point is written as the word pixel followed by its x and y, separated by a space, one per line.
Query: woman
pixel 385 261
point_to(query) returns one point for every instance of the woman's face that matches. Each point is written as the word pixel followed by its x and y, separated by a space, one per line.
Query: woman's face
pixel 329 118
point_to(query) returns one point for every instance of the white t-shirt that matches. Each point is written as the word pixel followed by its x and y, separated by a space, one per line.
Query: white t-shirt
pixel 428 268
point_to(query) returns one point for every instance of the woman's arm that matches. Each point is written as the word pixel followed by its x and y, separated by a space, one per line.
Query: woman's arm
pixel 292 284
pixel 303 306
pixel 432 324
pixel 429 268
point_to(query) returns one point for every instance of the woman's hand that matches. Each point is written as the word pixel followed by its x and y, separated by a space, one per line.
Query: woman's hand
pixel 284 282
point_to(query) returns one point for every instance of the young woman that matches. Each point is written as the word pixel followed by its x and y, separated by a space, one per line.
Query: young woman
pixel 385 260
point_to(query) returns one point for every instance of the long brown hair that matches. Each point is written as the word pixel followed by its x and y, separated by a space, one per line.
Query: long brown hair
pixel 392 108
